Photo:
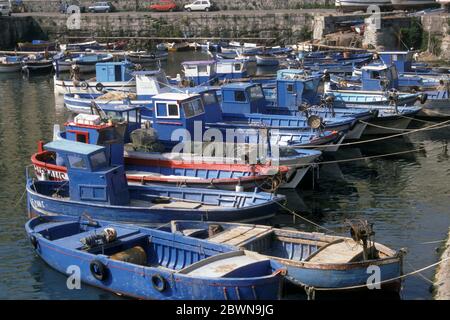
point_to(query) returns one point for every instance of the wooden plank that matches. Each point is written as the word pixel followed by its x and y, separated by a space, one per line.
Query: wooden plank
pixel 341 252
pixel 238 235
pixel 182 205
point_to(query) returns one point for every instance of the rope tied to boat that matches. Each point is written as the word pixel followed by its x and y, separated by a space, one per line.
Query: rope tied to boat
pixel 387 280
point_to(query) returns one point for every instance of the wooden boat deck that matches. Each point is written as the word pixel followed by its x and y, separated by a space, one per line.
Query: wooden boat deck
pixel 172 205
pixel 337 252
pixel 238 235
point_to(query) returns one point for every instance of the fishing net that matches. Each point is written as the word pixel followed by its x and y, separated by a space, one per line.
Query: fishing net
pixel 146 139
pixel 117 96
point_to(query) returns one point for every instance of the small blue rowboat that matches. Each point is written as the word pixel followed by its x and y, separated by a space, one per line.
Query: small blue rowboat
pixel 85 62
pixel 102 191
pixel 313 260
pixel 151 264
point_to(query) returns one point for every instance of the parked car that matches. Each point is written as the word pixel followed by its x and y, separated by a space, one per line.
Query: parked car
pixel 64 7
pixel 200 5
pixel 101 7
pixel 164 6
pixel 5 10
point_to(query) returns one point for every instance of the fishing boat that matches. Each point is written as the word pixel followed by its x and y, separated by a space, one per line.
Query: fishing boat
pixel 37 46
pixel 407 4
pixel 313 260
pixel 109 76
pixel 101 189
pixel 82 102
pixel 145 57
pixel 10 64
pixel 86 62
pixel 270 59
pixel 37 64
pixel 200 174
pixel 80 46
pixel 379 87
pixel 145 152
pixel 181 46
pixel 242 107
pixel 133 261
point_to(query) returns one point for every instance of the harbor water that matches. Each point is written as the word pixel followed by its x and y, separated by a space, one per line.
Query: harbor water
pixel 405 195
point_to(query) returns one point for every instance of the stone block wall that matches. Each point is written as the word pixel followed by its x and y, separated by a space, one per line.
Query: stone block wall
pixel 284 27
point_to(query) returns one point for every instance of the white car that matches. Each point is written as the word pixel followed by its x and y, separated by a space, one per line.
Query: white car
pixel 5 10
pixel 200 5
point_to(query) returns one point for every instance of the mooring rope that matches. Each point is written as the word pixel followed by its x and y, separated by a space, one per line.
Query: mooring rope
pixel 388 280
pixel 305 219
pixel 436 126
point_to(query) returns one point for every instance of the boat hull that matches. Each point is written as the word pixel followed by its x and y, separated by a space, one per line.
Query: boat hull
pixel 436 108
pixel 10 67
pixel 136 281
pixel 68 86
pixel 42 205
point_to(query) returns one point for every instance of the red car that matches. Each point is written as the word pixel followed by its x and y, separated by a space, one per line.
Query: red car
pixel 164 5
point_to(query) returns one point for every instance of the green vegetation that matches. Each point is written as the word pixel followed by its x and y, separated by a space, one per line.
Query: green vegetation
pixel 413 37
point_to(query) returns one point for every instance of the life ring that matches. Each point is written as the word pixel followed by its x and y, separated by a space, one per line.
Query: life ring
pixel 34 242
pixel 158 282
pixel 84 85
pixel 99 87
pixel 98 270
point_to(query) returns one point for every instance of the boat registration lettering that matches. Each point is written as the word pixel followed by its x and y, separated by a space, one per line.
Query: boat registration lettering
pixel 37 204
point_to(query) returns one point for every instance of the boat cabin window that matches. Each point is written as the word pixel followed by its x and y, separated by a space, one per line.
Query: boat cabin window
pixel 193 108
pixel 162 81
pixel 80 136
pixel 209 98
pixel 290 88
pixel 375 75
pixel 167 110
pixel 240 96
pixel 256 93
pixel 202 69
pixel 98 160
pixel 237 67
pixel 77 162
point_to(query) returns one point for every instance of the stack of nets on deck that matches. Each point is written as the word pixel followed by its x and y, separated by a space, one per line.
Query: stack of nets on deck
pixel 146 140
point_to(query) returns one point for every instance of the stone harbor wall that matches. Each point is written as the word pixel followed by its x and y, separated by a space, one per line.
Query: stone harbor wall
pixel 283 27
pixel 17 29
pixel 136 5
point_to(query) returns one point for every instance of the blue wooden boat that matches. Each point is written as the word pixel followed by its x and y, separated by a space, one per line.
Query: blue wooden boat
pixel 81 46
pixel 101 189
pixel 157 170
pixel 269 60
pixel 147 85
pixel 150 264
pixel 109 76
pixel 378 85
pixel 86 62
pixel 139 154
pixel 313 260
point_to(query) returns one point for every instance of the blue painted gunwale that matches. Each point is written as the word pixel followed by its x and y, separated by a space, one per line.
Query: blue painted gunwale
pixel 167 256
pixel 229 205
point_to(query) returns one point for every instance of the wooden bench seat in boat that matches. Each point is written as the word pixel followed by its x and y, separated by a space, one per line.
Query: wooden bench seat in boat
pixel 340 251
pixel 238 235
pixel 236 263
